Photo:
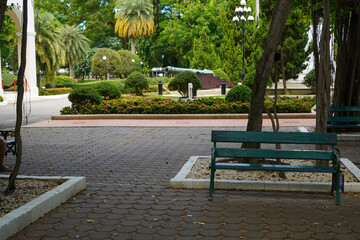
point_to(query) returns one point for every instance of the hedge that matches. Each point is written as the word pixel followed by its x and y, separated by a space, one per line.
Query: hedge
pixel 148 105
pixel 54 91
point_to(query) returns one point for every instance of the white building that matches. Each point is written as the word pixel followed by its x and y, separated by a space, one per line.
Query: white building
pixel 16 15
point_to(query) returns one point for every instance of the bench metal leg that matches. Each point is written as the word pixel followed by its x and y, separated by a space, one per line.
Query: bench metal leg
pixel 333 184
pixel 338 189
pixel 212 175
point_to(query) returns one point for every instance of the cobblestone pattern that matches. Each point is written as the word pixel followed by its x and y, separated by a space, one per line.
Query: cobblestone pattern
pixel 127 197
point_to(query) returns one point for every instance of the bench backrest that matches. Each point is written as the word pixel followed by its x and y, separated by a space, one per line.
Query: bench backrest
pixel 274 137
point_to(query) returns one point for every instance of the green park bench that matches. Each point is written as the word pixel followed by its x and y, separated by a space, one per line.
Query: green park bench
pixel 344 117
pixel 10 143
pixel 273 138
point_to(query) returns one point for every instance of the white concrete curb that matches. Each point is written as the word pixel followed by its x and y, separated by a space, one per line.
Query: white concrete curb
pixel 23 216
pixel 180 181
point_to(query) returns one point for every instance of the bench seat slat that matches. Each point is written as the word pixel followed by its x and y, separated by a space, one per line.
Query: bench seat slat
pixel 273 153
pixel 343 125
pixel 274 168
pixel 271 137
pixel 344 109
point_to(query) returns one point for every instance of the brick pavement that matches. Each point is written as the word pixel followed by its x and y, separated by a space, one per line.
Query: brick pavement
pixel 127 196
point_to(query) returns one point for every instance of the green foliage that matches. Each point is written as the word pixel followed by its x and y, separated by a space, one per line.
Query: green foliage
pixel 146 105
pixel 1 99
pixel 181 81
pixel 82 69
pixel 126 66
pixel 63 81
pixel 108 90
pixel 310 80
pixel 203 53
pixel 83 96
pixel 221 74
pixel 8 43
pixel 240 93
pixel 54 91
pixel 75 45
pixel 137 81
pixel 8 78
pixel 250 78
pixel 49 49
pixel 96 18
pixel 112 62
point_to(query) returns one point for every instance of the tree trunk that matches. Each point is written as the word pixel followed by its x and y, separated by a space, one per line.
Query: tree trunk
pixel 2 12
pixel 347 33
pixel 315 14
pixel 283 71
pixel 11 187
pixel 281 11
pixel 133 44
pixel 323 83
pixel 71 68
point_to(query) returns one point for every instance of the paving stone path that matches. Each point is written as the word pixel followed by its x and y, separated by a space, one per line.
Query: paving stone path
pixel 127 196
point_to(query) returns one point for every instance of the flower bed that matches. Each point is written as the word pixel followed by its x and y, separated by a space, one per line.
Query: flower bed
pixel 142 105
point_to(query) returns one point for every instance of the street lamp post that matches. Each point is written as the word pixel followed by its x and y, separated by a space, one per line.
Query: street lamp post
pixel 243 12
pixel 105 75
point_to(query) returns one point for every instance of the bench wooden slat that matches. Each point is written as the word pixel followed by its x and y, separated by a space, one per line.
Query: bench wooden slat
pixel 271 137
pixel 274 153
pixel 343 125
pixel 343 119
pixel 344 109
pixel 274 168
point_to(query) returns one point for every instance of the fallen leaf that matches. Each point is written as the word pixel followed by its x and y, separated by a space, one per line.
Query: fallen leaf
pixel 90 221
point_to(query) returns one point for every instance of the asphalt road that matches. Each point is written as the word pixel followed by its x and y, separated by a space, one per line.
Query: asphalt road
pixel 40 109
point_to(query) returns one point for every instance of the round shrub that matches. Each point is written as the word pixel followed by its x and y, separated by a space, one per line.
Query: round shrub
pixel 181 81
pixel 137 81
pixel 112 62
pixel 84 95
pixel 310 80
pixel 239 93
pixel 108 90
pixel 1 99
pixel 63 81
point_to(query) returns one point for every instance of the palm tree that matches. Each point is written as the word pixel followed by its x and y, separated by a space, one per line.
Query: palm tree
pixel 75 45
pixel 49 51
pixel 134 18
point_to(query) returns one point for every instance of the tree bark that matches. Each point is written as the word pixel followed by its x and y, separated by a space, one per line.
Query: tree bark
pixel 11 187
pixel 347 33
pixel 281 12
pixel 133 44
pixel 283 71
pixel 71 68
pixel 323 83
pixel 3 4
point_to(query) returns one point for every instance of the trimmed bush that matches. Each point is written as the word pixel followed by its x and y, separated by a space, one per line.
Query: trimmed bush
pixel 310 80
pixel 63 81
pixel 8 78
pixel 147 105
pixel 54 91
pixel 1 99
pixel 181 81
pixel 108 90
pixel 83 96
pixel 137 81
pixel 240 93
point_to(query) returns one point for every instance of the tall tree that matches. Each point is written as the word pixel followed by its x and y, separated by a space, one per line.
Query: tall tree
pixel 20 80
pixel 203 53
pixel 347 33
pixel 75 45
pixel 3 4
pixel 280 14
pixel 134 18
pixel 49 49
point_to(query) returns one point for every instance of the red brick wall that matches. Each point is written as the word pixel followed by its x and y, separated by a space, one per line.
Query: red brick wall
pixel 210 81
